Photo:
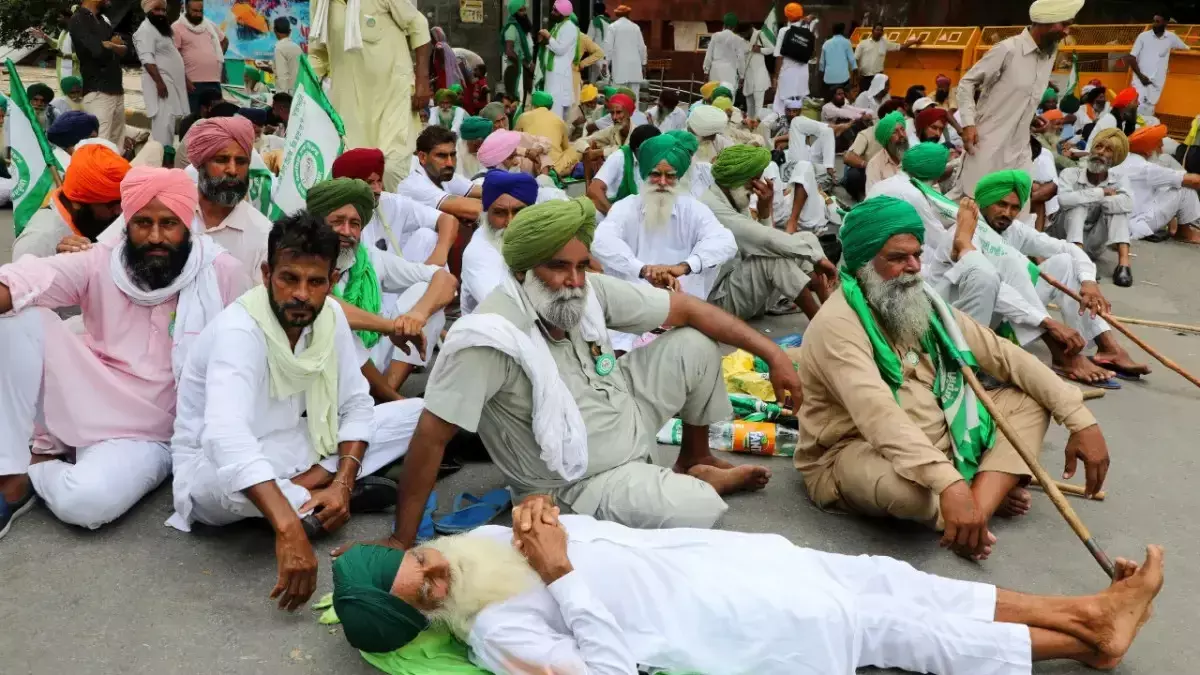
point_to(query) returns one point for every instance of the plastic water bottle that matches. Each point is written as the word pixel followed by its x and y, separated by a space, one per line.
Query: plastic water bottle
pixel 754 409
pixel 756 438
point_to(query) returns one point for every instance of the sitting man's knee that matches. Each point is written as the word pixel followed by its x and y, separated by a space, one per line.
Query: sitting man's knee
pixel 702 510
pixel 693 343
pixel 984 278
pixel 84 501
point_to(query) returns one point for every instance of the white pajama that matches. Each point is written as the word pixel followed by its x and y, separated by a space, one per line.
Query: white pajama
pixel 1168 204
pixel 971 286
pixel 1063 268
pixel 1091 226
pixel 391 431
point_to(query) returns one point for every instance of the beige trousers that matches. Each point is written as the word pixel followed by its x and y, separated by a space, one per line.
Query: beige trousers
pixel 861 480
pixel 110 110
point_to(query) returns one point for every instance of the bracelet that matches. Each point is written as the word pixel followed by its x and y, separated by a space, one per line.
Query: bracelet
pixel 356 461
pixel 339 481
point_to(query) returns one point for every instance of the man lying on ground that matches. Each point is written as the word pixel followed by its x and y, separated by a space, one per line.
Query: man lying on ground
pixel 275 419
pixel 532 371
pixel 107 398
pixel 574 595
pixel 888 425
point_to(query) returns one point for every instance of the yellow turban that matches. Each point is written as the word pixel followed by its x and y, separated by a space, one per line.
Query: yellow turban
pixel 1054 11
pixel 722 103
pixel 1115 139
pixel 707 90
pixel 588 93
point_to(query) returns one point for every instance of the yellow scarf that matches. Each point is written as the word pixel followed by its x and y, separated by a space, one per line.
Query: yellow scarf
pixel 313 372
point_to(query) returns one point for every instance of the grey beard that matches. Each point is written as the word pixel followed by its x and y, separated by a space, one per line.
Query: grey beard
pixel 741 198
pixel 562 309
pixel 901 304
pixel 223 191
pixel 897 149
pixel 493 235
pixel 1095 164
pixel 657 207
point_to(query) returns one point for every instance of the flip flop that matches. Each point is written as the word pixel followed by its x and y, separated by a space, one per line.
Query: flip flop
pixel 470 511
pixel 1121 371
pixel 1110 383
pixel 426 531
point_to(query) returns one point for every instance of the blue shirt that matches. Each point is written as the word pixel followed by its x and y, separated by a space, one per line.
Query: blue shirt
pixel 837 60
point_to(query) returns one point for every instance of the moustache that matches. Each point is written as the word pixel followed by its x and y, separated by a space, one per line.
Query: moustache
pixel 348 242
pixel 298 306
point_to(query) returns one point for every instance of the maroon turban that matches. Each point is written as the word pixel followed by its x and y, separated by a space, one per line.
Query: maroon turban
pixel 928 116
pixel 359 163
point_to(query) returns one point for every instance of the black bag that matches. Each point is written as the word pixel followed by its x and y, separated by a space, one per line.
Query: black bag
pixel 797 44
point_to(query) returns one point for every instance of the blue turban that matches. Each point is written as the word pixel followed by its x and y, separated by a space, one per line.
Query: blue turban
pixel 71 127
pixel 521 186
pixel 257 116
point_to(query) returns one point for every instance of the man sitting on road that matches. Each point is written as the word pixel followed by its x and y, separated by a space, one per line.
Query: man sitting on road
pixel 432 181
pixel 889 427
pixel 892 135
pixel 708 123
pixel 532 371
pixel 573 595
pixel 275 420
pixel 1160 194
pixel 540 121
pixel 505 194
pixel 1096 203
pixel 106 398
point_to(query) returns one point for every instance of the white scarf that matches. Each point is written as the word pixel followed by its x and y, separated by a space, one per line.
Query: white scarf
pixel 557 424
pixel 206 26
pixel 318 32
pixel 199 293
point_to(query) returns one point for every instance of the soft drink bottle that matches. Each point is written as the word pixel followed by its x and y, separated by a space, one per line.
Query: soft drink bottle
pixel 756 438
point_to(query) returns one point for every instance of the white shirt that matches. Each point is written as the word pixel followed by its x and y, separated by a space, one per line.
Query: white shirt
pixel 624 604
pixel 612 172
pixel 821 153
pixel 402 216
pixel 842 113
pixel 628 51
pixel 675 120
pixel 624 244
pixel 725 58
pixel 483 269
pixel 229 426
pixel 1153 53
pixel 1044 171
pixel 395 275
pixel 417 186
pixel 1145 180
pixel 871 55
pixel 804 179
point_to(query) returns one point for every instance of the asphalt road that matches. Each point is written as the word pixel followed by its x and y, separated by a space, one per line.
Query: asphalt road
pixel 139 598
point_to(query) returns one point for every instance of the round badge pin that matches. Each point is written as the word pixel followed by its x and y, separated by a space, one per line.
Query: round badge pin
pixel 912 358
pixel 371 22
pixel 605 364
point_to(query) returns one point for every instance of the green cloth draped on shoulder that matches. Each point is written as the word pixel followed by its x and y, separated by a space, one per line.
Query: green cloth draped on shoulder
pixel 547 55
pixel 866 230
pixel 314 372
pixel 628 181
pixel 362 291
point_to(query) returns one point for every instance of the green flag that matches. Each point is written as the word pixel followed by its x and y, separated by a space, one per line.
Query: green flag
pixel 314 140
pixel 32 156
pixel 1073 78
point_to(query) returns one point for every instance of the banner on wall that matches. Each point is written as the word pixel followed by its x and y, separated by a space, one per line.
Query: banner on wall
pixel 249 25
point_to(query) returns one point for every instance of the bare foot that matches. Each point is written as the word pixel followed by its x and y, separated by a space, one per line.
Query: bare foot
pixel 1079 369
pixel 1187 233
pixel 1016 503
pixel 978 557
pixel 708 460
pixel 1125 606
pixel 743 478
pixel 1122 360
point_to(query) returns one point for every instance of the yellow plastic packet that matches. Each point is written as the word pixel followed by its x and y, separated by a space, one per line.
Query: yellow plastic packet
pixel 741 378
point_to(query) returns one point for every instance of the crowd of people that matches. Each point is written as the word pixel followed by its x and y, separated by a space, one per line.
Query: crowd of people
pixel 259 362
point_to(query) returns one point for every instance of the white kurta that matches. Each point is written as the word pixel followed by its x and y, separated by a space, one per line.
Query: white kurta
pixel 483 269
pixel 628 52
pixel 560 81
pixel 1158 196
pixel 420 188
pixel 793 77
pixel 672 121
pixel 1153 53
pixel 155 48
pixel 689 614
pixel 231 434
pixel 725 58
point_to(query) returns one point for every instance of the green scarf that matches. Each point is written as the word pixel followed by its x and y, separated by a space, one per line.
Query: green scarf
pixel 314 372
pixel 972 430
pixel 628 182
pixel 362 291
pixel 522 46
pixel 548 54
pixel 601 23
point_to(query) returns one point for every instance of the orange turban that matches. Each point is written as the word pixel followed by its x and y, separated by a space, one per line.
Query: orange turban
pixel 623 10
pixel 1053 115
pixel 794 11
pixel 1126 98
pixel 172 187
pixel 94 176
pixel 1146 140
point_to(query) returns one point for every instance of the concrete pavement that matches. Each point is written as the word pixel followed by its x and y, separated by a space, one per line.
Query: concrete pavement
pixel 139 598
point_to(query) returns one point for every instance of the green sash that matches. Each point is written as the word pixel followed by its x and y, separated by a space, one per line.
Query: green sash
pixel 548 54
pixel 362 291
pixel 972 430
pixel 628 181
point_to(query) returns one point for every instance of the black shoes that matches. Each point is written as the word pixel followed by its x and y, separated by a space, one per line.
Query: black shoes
pixel 372 494
pixel 1123 276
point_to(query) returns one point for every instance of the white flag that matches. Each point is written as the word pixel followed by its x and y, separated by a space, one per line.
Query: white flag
pixel 769 30
pixel 314 140
pixel 32 155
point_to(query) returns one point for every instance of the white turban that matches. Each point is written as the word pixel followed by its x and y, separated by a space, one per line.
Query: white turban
pixel 794 103
pixel 706 121
pixel 921 104
pixel 1054 11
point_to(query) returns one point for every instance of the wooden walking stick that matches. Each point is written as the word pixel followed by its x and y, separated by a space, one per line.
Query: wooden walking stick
pixel 1076 490
pixel 1043 478
pixel 1128 333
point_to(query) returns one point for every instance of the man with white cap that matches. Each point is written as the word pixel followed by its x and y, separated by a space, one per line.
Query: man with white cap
pixel 1009 80
pixel 556 50
pixel 709 123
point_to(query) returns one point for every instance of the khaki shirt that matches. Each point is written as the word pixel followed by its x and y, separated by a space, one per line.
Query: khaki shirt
pixel 865 145
pixel 871 55
pixel 846 399
pixel 881 167
pixel 481 389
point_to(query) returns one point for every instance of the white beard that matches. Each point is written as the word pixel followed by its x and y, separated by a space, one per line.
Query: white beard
pixel 741 199
pixel 657 207
pixel 562 309
pixel 345 259
pixel 901 304
pixel 493 236
pixel 483 572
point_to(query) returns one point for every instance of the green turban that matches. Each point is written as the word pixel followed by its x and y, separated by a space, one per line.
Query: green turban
pixel 996 186
pixel 328 196
pixel 730 20
pixel 1049 95
pixel 722 91
pixel 738 164
pixel 492 111
pixel 475 128
pixel 70 83
pixel 677 147
pixel 515 6
pixel 628 92
pixel 609 92
pixel 1069 105
pixel 253 74
pixel 926 161
pixel 868 226
pixel 445 95
pixel 456 88
pixel 374 620
pixel 542 99
pixel 541 230
pixel 886 126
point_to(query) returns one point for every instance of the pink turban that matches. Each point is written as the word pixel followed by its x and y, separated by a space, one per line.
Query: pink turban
pixel 564 7
pixel 208 137
pixel 172 187
pixel 497 147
